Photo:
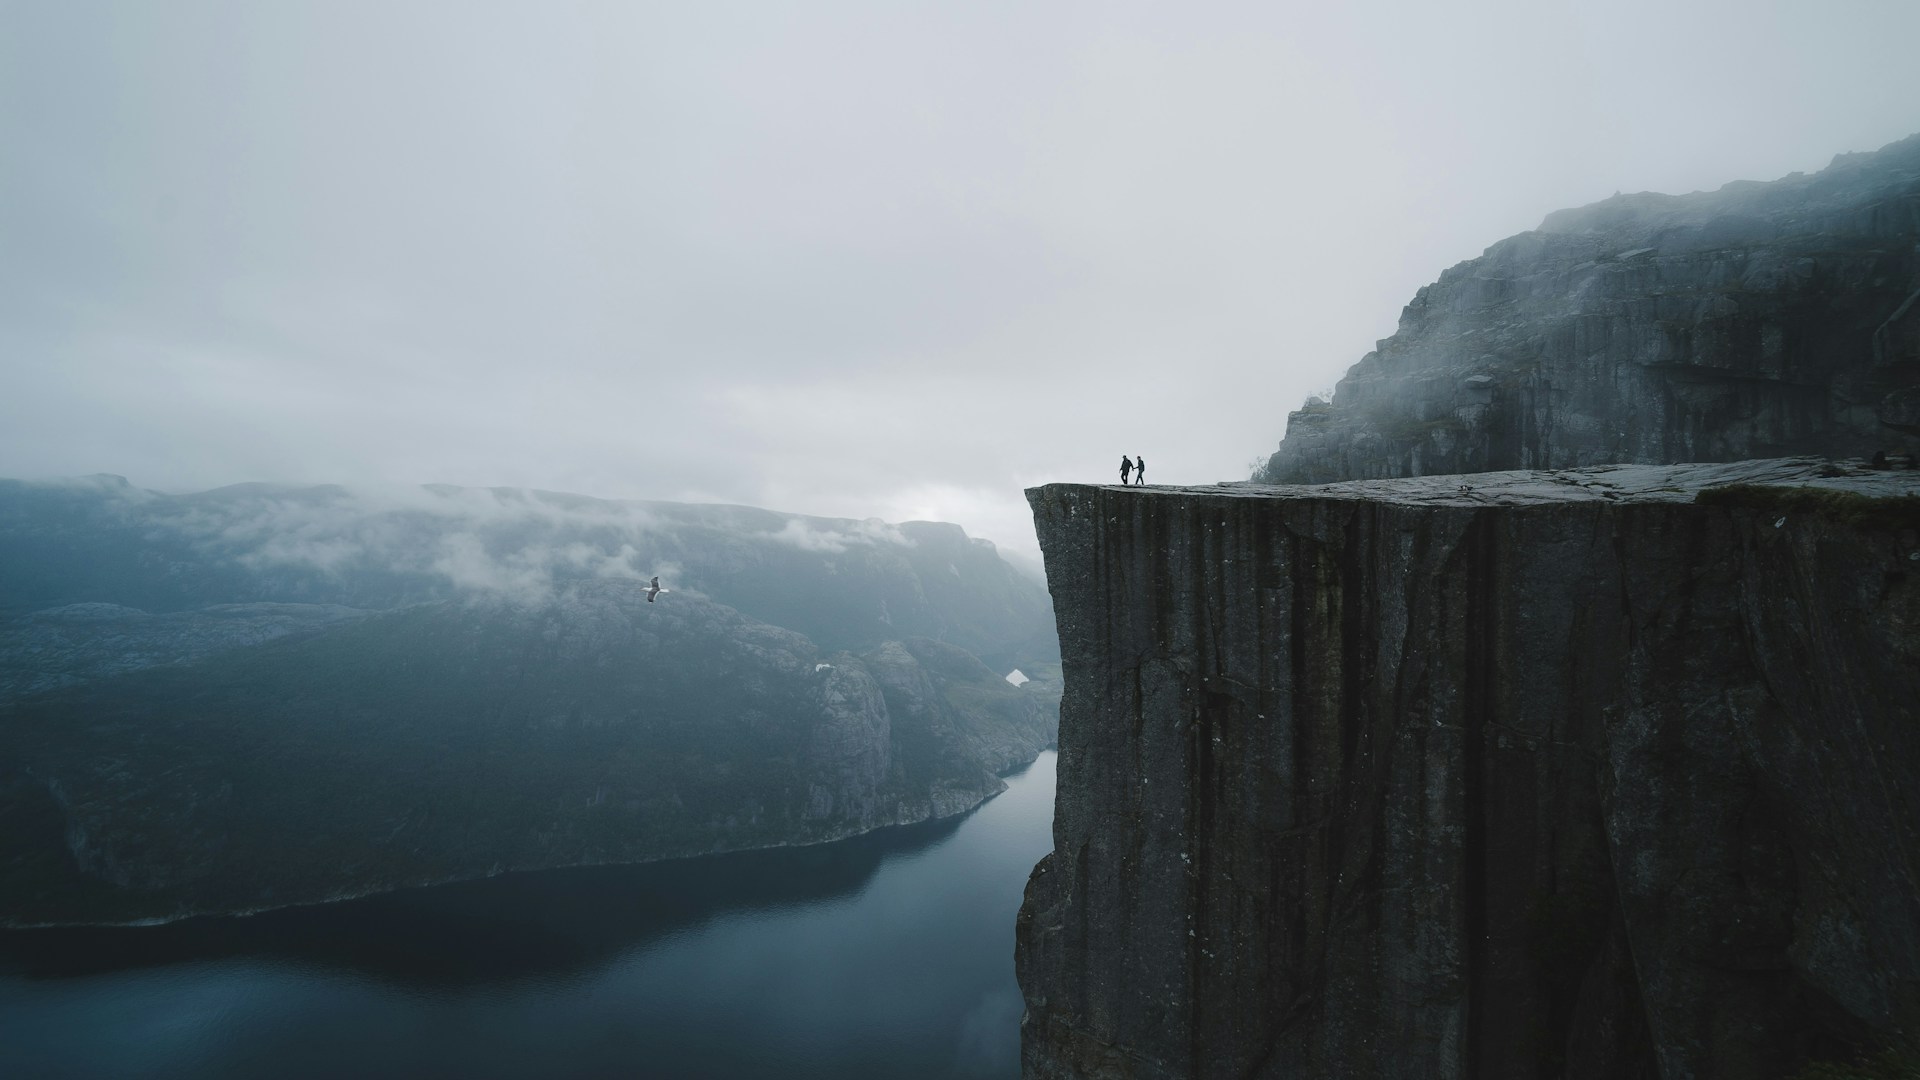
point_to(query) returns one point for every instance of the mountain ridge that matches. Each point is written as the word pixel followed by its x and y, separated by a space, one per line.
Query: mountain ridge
pixel 268 694
pixel 1763 319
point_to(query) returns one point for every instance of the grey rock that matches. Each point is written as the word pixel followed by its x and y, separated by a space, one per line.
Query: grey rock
pixel 1759 320
pixel 1559 774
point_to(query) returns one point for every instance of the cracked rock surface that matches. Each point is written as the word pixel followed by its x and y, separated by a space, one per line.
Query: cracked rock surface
pixel 1563 774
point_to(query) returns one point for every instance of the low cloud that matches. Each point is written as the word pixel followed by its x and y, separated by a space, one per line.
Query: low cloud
pixel 809 536
pixel 519 544
pixel 507 541
pixel 465 562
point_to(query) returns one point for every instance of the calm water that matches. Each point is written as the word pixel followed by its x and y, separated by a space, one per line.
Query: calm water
pixel 884 956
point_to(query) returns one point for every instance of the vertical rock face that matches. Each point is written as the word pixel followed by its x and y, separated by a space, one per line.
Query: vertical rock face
pixel 1565 774
pixel 1758 320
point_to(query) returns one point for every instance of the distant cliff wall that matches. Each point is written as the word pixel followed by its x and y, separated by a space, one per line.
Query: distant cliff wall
pixel 1759 320
pixel 1565 774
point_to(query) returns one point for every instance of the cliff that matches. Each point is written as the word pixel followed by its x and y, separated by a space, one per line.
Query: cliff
pixel 1759 320
pixel 1610 772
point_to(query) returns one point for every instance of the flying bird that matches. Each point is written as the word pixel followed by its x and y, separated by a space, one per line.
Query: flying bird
pixel 654 591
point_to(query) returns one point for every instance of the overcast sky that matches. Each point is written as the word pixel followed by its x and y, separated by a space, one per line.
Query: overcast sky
pixel 882 259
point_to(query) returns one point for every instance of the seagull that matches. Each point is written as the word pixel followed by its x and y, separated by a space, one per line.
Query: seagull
pixel 654 590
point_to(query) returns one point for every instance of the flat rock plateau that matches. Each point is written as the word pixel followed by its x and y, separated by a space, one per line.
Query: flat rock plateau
pixel 1598 772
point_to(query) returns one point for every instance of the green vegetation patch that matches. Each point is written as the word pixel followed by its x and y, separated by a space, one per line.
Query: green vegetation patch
pixel 1846 507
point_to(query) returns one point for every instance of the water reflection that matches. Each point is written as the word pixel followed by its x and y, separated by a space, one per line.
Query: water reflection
pixel 497 930
pixel 886 955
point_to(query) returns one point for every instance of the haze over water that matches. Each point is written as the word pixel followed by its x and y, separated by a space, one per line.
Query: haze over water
pixel 885 955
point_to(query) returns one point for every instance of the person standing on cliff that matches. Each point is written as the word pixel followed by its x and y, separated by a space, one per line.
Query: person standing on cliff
pixel 1140 470
pixel 1126 467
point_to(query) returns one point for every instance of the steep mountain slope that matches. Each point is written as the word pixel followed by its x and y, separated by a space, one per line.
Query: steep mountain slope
pixel 503 695
pixel 1758 320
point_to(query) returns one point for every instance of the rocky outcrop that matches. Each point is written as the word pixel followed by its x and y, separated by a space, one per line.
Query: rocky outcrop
pixel 1610 772
pixel 1763 319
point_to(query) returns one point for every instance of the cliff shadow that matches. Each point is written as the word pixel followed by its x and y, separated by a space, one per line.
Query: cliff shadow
pixel 491 932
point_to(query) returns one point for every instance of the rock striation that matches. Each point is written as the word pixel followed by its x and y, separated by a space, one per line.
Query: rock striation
pixel 1610 772
pixel 1759 320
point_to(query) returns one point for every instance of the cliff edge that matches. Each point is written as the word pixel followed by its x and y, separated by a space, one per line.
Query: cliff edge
pixel 1609 772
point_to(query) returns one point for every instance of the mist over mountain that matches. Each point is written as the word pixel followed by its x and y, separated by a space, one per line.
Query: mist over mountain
pixel 846 583
pixel 263 695
pixel 1756 320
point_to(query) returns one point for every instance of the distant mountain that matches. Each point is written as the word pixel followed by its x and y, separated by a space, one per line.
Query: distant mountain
pixel 1760 320
pixel 260 696
pixel 846 584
